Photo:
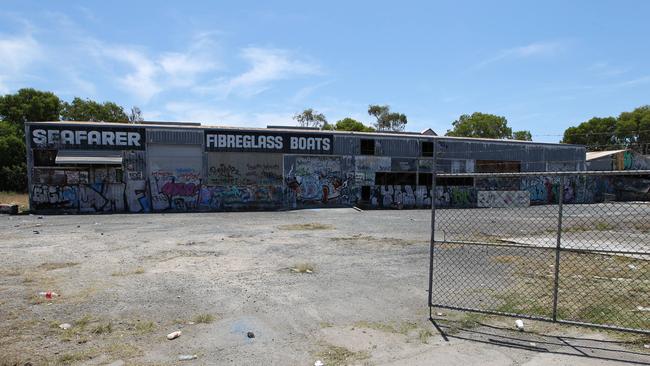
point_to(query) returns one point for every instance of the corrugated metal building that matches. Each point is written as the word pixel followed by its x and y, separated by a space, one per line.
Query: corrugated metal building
pixel 153 167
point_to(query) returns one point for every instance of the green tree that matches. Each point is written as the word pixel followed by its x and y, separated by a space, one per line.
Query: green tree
pixel 89 110
pixel 310 118
pixel 633 129
pixel 523 135
pixel 29 105
pixel 481 125
pixel 387 120
pixel 350 124
pixel 13 170
pixel 596 134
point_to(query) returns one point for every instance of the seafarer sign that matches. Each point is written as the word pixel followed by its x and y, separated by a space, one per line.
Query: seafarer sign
pixel 89 138
pixel 288 142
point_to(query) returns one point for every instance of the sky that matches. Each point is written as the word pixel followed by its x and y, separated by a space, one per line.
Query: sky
pixel 545 66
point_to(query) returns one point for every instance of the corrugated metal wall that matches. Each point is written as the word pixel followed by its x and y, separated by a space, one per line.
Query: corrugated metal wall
pixel 174 136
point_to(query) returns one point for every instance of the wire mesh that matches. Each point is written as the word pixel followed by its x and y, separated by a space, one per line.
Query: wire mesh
pixel 565 247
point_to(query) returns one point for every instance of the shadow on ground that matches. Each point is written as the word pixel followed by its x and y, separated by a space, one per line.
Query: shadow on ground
pixel 589 348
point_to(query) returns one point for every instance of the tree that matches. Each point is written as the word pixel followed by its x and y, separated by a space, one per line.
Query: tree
pixel 29 105
pixel 387 120
pixel 481 125
pixel 310 118
pixel 596 134
pixel 89 110
pixel 633 129
pixel 349 124
pixel 136 115
pixel 523 135
pixel 13 170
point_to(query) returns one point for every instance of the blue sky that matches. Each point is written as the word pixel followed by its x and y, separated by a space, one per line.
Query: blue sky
pixel 543 65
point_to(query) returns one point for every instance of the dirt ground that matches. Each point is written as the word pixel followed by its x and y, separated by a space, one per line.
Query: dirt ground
pixel 268 288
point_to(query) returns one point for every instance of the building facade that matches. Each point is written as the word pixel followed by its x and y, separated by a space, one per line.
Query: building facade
pixel 83 167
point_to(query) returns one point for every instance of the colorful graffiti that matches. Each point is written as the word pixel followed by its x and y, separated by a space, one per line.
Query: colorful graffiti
pixel 400 196
pixel 45 196
pixel 240 197
pixel 457 197
pixel 176 190
pixel 503 199
pixel 316 180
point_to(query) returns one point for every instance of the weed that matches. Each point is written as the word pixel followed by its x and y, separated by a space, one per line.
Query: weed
pixel 309 226
pixel 49 266
pixel 139 270
pixel 302 268
pixel 102 328
pixel 338 356
pixel 424 335
pixel 203 318
pixel 145 327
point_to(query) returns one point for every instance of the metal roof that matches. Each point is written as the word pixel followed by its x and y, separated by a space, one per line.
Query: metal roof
pixel 185 125
pixel 599 154
pixel 88 157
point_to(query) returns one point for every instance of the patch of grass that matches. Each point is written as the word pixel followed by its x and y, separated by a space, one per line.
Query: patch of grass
pixel 594 288
pixel 203 318
pixel 102 328
pixel 15 198
pixel 424 335
pixel 83 321
pixel 49 266
pixel 145 327
pixel 471 320
pixel 78 356
pixel 324 325
pixel 309 226
pixel 303 268
pixel 340 356
pixel 383 327
pixel 139 270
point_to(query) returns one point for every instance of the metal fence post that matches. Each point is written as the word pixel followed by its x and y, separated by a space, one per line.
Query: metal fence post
pixel 433 224
pixel 558 247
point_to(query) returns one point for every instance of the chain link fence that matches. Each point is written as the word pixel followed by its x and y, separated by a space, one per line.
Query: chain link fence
pixel 570 247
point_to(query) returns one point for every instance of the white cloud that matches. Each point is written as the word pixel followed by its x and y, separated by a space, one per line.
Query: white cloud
pixel 210 115
pixel 142 80
pixel 527 51
pixel 267 65
pixel 17 53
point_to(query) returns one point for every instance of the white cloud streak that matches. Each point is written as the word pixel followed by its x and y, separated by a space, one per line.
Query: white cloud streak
pixel 17 53
pixel 531 50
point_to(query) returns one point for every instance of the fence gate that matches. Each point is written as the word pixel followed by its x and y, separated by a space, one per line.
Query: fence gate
pixel 569 247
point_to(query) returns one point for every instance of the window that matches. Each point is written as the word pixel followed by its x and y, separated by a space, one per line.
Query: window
pixel 497 166
pixel 367 147
pixel 427 148
pixel 44 157
pixel 425 179
pixel 391 179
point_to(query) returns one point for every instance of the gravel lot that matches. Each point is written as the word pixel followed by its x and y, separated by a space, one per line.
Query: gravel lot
pixel 338 285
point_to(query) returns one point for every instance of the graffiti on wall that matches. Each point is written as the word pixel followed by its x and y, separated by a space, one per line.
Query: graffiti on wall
pixel 176 190
pixel 46 196
pixel 237 197
pixel 457 197
pixel 503 199
pixel 317 180
pixel 400 196
pixel 547 189
pixel 366 167
pixel 635 161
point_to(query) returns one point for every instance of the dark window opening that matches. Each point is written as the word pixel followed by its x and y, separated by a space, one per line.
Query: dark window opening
pixel 425 179
pixel 365 193
pixel 498 166
pixel 44 157
pixel 367 147
pixel 392 179
pixel 427 148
